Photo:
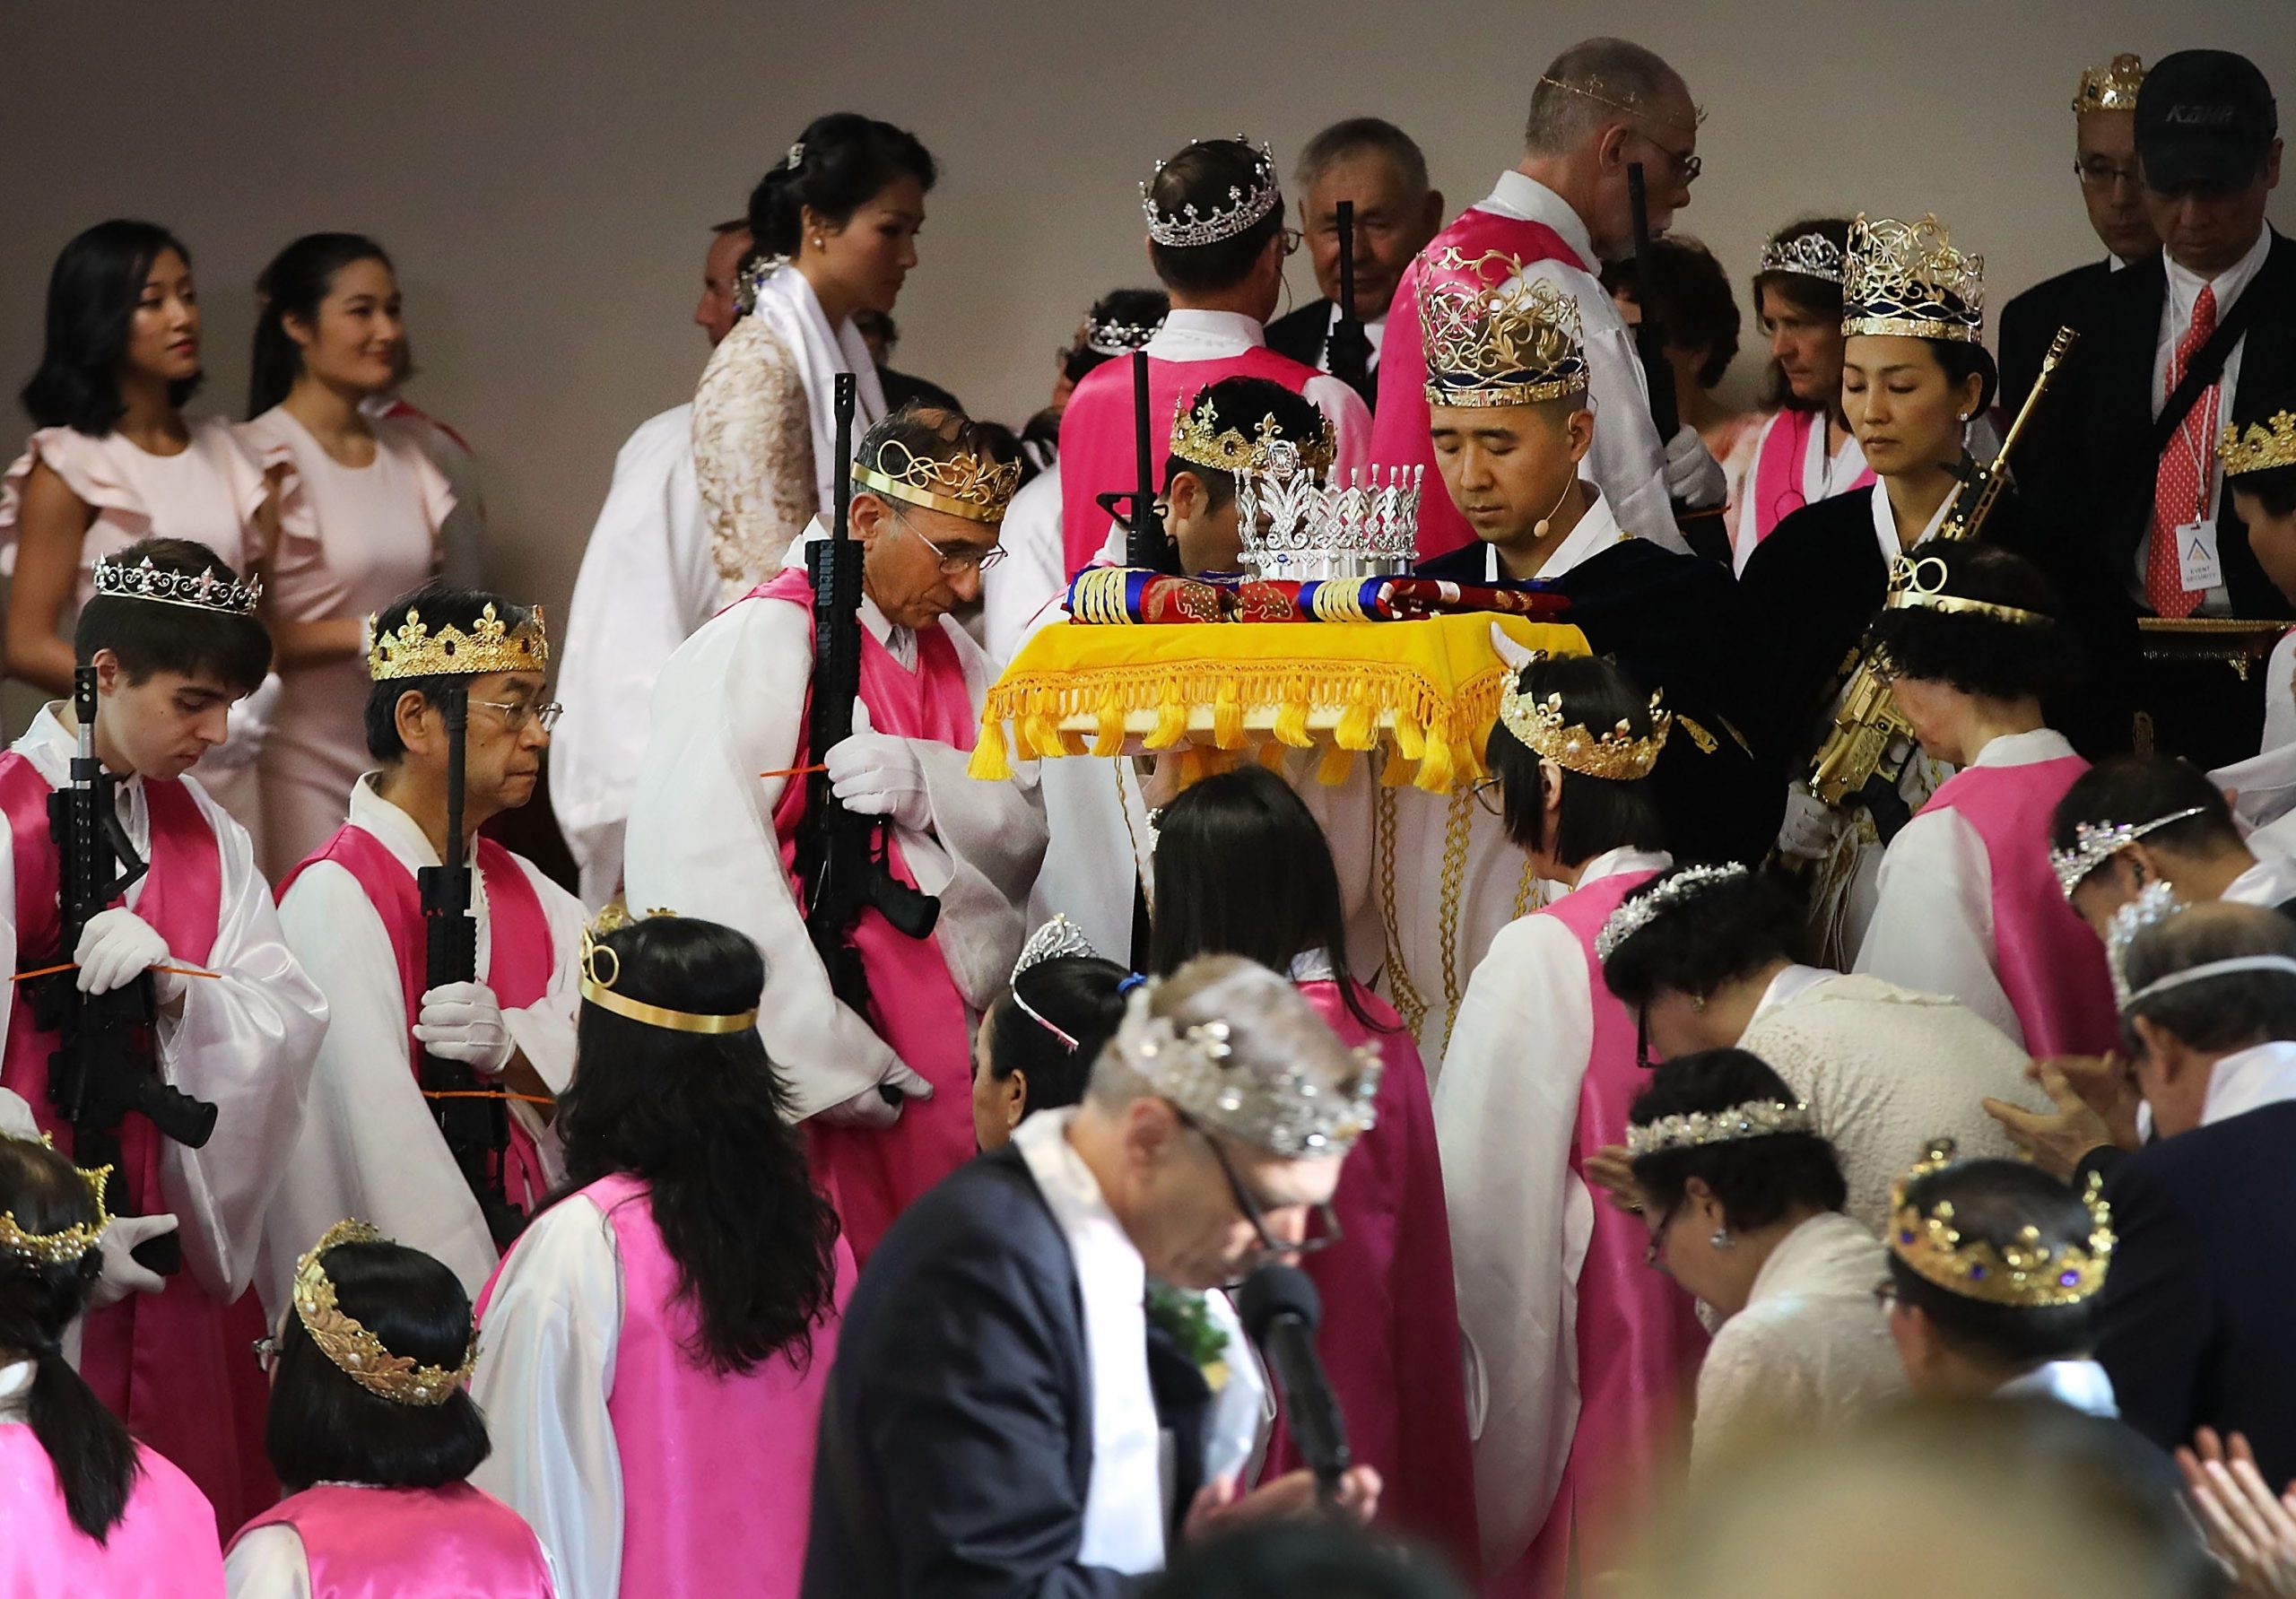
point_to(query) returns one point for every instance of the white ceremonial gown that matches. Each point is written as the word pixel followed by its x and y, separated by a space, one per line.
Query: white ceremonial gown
pixel 730 705
pixel 368 1147
pixel 1015 592
pixel 647 582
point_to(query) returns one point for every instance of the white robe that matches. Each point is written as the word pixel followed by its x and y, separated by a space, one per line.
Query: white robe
pixel 1932 928
pixel 1015 592
pixel 370 1147
pixel 701 839
pixel 1506 1117
pixel 243 1042
pixel 648 580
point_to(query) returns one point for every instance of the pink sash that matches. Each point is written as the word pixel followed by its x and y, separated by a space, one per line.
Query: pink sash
pixel 172 1365
pixel 871 1174
pixel 1399 435
pixel 519 956
pixel 717 1471
pixel 451 1542
pixel 164 1548
pixel 1777 471
pixel 2050 963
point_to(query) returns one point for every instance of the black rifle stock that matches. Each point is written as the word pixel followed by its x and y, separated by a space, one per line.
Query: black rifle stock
pixel 1145 543
pixel 1348 350
pixel 102 1069
pixel 1701 525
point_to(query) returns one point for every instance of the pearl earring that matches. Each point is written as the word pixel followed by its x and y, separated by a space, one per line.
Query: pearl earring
pixel 1965 416
pixel 817 244
pixel 1722 1238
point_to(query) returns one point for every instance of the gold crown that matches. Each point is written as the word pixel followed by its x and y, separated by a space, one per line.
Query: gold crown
pixel 602 969
pixel 1907 278
pixel 1616 756
pixel 2264 447
pixel 965 485
pixel 66 1245
pixel 490 646
pixel 1920 585
pixel 357 1352
pixel 2110 88
pixel 1494 337
pixel 2025 1274
pixel 1198 437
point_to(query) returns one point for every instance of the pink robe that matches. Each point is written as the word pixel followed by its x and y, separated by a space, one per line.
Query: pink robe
pixel 1399 423
pixel 2051 964
pixel 871 1174
pixel 173 1365
pixel 1390 1334
pixel 451 1542
pixel 164 1548
pixel 1776 482
pixel 1097 451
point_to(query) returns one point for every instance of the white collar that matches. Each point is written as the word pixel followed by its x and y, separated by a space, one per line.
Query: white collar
pixel 1829 1255
pixel 1612 861
pixel 1885 521
pixel 402 835
pixel 2080 1385
pixel 15 1388
pixel 1596 531
pixel 1312 966
pixel 1787 987
pixel 1205 335
pixel 902 641
pixel 2270 882
pixel 2024 749
pixel 1527 200
pixel 2114 263
pixel 2251 1080
pixel 50 745
pixel 2184 285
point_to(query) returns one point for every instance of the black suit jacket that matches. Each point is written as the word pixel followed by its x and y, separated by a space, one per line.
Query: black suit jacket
pixel 2029 321
pixel 1302 333
pixel 2194 1328
pixel 956 1437
pixel 2100 468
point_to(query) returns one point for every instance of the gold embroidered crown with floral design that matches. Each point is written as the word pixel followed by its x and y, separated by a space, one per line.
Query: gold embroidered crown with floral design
pixel 357 1352
pixel 2264 447
pixel 2110 88
pixel 966 485
pixel 415 649
pixel 1907 278
pixel 1494 337
pixel 1617 756
pixel 203 590
pixel 67 1244
pixel 1198 437
pixel 2023 1274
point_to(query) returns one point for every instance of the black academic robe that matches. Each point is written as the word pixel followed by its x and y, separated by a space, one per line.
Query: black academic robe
pixel 1301 335
pixel 2195 1322
pixel 956 1435
pixel 1672 621
pixel 2029 321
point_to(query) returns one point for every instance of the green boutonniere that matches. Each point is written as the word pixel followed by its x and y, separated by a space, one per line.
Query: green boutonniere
pixel 1185 1318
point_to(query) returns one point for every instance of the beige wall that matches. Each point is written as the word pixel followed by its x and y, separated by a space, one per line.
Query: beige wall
pixel 545 173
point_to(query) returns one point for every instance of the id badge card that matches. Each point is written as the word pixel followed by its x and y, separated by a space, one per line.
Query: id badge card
pixel 2198 569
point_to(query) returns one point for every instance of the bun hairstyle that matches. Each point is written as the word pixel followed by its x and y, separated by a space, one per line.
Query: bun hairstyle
pixel 92 291
pixel 296 282
pixel 842 161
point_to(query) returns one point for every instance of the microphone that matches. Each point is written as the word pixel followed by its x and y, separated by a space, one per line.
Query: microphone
pixel 1280 1309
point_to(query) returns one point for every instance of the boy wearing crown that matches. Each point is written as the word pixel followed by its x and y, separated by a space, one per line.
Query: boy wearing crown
pixel 173 640
pixel 715 823
pixel 371 1146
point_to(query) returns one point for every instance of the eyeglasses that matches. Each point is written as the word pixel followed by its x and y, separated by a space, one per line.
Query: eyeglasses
pixel 265 1351
pixel 518 713
pixel 955 564
pixel 1682 169
pixel 1885 1295
pixel 1489 796
pixel 1292 238
pixel 1653 1250
pixel 1323 1230
pixel 2105 174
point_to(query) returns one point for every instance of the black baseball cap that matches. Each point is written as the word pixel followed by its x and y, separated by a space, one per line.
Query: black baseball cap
pixel 2204 119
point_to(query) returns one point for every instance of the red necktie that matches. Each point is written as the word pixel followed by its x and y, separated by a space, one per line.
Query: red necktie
pixel 2180 487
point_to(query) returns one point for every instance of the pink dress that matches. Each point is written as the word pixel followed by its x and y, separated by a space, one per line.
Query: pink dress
pixel 351 541
pixel 451 1542
pixel 209 492
pixel 164 1548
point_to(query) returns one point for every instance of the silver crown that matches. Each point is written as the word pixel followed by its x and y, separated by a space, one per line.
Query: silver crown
pixel 203 590
pixel 1297 528
pixel 2156 904
pixel 1636 913
pixel 1284 1112
pixel 1806 254
pixel 2096 842
pixel 1118 338
pixel 1056 940
pixel 1188 227
pixel 1756 1118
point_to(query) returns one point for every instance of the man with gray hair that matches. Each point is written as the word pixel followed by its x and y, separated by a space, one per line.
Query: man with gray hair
pixel 2196 1311
pixel 993 1424
pixel 1559 213
pixel 1376 167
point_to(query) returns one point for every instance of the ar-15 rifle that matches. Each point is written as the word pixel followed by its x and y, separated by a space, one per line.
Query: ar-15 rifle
pixel 1856 763
pixel 1701 525
pixel 101 1068
pixel 1348 350
pixel 843 858
pixel 1145 543
pixel 473 1118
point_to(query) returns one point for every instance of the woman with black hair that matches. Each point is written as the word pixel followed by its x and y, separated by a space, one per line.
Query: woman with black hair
pixel 1038 1040
pixel 1241 868
pixel 656 1344
pixel 1966 902
pixel 375 1436
pixel 833 231
pixel 1578 1362
pixel 87 1510
pixel 114 459
pixel 361 507
pixel 1742 1203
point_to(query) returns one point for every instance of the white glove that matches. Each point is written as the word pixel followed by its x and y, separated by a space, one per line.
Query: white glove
pixel 1694 475
pixel 115 946
pixel 122 1275
pixel 878 774
pixel 462 1021
pixel 250 724
pixel 1811 826
pixel 870 1108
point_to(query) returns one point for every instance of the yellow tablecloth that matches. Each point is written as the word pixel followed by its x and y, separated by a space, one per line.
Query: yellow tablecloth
pixel 1427 690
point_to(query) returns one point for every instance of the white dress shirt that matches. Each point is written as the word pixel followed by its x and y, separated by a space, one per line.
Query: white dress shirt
pixel 1193 335
pixel 1596 531
pixel 2251 1080
pixel 1374 334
